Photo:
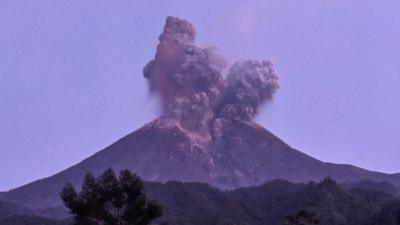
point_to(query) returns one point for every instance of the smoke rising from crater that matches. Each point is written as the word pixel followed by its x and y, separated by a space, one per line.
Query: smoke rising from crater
pixel 191 85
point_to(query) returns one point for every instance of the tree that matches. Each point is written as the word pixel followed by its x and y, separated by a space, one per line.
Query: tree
pixel 303 217
pixel 110 200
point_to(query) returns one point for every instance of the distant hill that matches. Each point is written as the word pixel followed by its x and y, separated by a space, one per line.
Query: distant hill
pixel 9 209
pixel 11 214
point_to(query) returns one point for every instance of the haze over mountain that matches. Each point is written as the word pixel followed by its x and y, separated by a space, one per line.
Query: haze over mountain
pixel 206 132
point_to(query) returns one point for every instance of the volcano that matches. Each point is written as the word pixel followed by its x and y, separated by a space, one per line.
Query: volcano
pixel 206 132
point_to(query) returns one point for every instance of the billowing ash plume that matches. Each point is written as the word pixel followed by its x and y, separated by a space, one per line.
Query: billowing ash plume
pixel 188 78
pixel 192 89
pixel 249 84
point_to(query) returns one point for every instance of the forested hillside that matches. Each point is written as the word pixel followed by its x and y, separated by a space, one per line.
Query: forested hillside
pixel 361 203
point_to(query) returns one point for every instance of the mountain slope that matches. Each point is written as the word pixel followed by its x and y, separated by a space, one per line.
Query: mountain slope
pixel 206 131
pixel 248 156
pixel 8 209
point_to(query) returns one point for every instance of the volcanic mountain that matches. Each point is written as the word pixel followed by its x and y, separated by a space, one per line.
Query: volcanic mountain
pixel 206 132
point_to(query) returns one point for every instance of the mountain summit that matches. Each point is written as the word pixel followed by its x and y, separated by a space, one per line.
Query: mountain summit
pixel 206 132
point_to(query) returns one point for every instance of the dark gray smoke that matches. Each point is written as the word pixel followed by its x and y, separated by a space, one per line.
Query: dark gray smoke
pixel 192 89
pixel 249 84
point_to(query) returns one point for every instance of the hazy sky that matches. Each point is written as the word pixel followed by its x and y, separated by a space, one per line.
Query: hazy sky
pixel 71 75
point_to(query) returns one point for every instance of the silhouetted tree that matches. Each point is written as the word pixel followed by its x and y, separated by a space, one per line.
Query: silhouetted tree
pixel 328 183
pixel 303 217
pixel 110 200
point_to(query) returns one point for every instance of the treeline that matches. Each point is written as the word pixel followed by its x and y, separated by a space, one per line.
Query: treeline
pixel 120 198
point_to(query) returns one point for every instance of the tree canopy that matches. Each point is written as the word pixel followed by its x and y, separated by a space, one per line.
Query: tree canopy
pixel 110 200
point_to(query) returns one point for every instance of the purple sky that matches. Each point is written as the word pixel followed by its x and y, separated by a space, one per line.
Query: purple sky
pixel 71 81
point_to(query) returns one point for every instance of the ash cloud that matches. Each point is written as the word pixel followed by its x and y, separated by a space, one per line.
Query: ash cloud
pixel 191 85
pixel 249 84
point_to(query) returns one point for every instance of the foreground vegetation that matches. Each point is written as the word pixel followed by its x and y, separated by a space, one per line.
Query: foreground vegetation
pixel 275 203
pixel 110 200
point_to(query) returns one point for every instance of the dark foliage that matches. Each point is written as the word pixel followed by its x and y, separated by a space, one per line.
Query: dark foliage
pixel 303 217
pixel 389 214
pixel 110 200
pixel 32 220
pixel 271 203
